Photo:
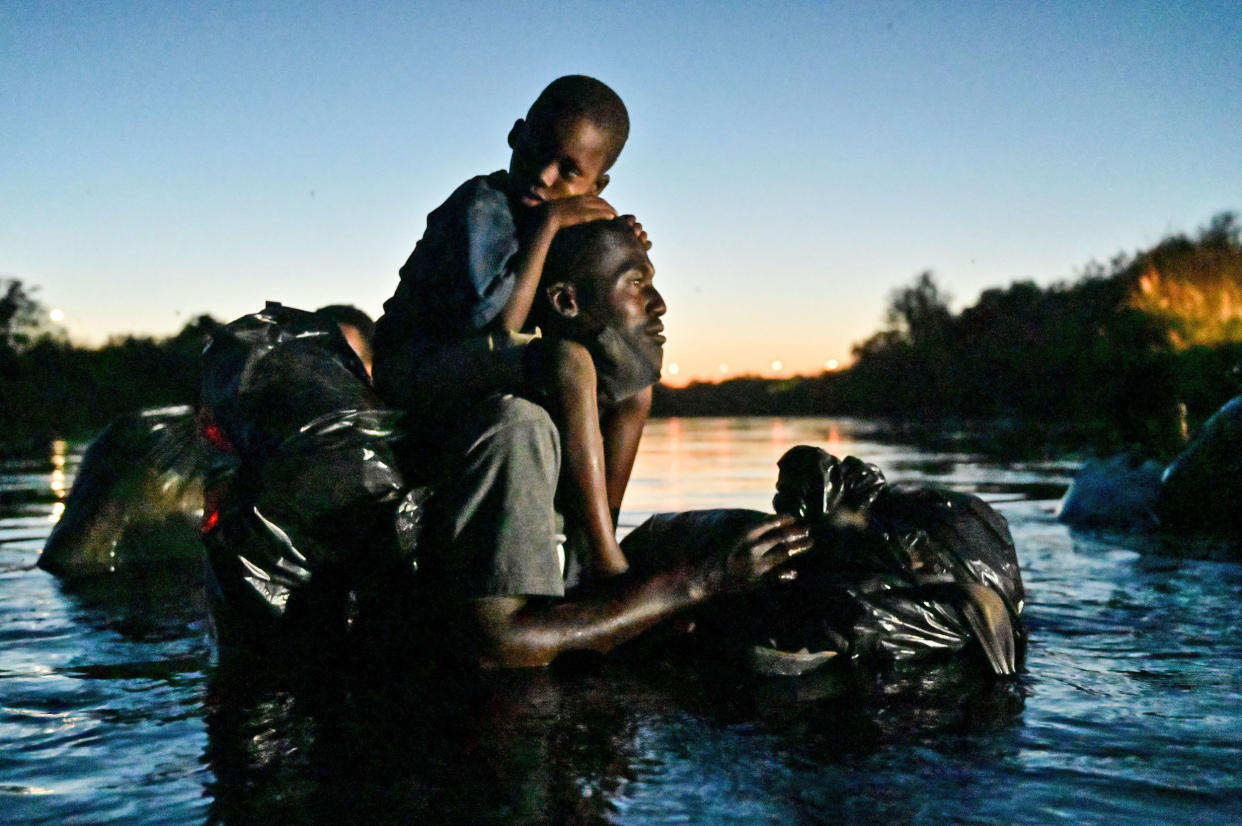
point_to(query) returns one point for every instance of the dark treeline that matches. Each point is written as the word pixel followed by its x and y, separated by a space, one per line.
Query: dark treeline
pixel 50 388
pixel 1122 356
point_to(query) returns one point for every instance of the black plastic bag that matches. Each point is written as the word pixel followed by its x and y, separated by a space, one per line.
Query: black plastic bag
pixel 308 509
pixel 894 574
pixel 137 499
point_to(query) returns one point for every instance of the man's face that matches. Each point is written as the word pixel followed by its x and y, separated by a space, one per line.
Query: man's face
pixel 556 160
pixel 358 343
pixel 624 301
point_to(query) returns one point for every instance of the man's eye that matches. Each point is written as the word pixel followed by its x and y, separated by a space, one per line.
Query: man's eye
pixel 570 171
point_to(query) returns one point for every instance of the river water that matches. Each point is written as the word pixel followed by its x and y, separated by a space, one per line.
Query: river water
pixel 112 708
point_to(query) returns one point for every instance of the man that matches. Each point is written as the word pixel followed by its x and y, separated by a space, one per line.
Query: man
pixel 491 571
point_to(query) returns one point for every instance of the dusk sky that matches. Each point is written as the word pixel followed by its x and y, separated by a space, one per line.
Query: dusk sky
pixel 794 162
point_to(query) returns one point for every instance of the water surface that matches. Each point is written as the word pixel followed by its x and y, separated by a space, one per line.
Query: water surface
pixel 1130 709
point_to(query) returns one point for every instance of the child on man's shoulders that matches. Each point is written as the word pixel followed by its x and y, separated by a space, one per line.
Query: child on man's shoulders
pixel 457 326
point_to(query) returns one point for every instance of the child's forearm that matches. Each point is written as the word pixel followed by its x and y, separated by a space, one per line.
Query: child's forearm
pixel 528 271
pixel 557 214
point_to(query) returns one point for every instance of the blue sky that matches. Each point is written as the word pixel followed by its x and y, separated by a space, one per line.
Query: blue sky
pixel 794 162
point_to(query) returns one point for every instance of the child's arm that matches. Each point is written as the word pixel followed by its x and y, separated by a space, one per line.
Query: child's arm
pixel 528 263
pixel 622 428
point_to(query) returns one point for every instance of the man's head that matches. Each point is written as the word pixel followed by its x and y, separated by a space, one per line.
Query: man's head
pixel 597 289
pixel 356 326
pixel 567 142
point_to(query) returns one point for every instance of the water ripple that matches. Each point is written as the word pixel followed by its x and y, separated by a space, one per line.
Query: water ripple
pixel 1129 711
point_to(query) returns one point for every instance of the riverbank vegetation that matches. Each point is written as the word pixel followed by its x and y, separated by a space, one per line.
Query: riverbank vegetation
pixel 50 388
pixel 1133 352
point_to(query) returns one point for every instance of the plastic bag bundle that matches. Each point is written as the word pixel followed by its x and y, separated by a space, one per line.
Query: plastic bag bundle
pixel 894 574
pixel 1201 487
pixel 137 499
pixel 309 499
pixel 907 572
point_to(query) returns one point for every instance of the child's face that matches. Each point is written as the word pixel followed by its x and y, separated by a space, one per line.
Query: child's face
pixel 558 160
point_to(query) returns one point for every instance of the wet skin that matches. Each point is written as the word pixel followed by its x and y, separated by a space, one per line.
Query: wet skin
pixel 632 306
pixel 556 173
pixel 603 297
pixel 615 301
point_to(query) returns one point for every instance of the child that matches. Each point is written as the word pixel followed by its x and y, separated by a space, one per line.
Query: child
pixel 456 329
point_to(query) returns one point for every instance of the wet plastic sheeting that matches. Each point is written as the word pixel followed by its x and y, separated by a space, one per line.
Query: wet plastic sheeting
pixel 307 500
pixel 894 574
pixel 137 497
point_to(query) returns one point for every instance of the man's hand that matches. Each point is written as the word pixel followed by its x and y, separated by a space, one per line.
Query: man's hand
pixel 766 546
pixel 638 230
pixel 577 209
pixel 512 632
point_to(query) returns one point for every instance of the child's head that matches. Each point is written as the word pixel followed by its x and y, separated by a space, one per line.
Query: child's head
pixel 569 139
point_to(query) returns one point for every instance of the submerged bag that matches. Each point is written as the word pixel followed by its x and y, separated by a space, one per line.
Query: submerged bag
pixel 137 497
pixel 1202 486
pixel 905 572
pixel 894 574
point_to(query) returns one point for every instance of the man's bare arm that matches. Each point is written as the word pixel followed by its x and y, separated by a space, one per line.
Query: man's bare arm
pixel 515 632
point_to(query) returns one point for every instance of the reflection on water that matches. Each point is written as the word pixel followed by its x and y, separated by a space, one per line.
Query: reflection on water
pixel 111 709
pixel 688 464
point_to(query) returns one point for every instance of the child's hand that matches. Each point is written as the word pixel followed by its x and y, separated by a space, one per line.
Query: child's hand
pixel 578 209
pixel 638 230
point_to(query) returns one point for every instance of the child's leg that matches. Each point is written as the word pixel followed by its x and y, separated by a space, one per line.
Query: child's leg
pixel 574 406
pixel 622 428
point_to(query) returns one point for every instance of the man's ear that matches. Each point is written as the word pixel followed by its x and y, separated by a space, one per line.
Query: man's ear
pixel 518 126
pixel 601 182
pixel 563 296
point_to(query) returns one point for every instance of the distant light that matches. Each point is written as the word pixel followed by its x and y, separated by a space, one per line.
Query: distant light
pixel 776 365
pixel 724 368
pixel 831 364
pixel 674 369
pixel 57 315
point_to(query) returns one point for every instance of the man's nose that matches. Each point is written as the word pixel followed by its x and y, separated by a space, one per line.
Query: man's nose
pixel 655 303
